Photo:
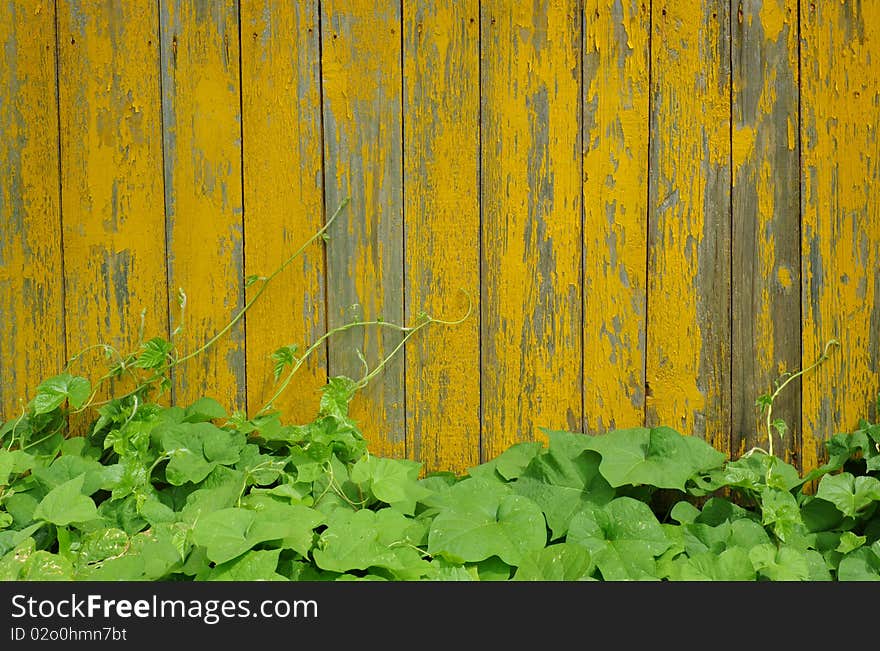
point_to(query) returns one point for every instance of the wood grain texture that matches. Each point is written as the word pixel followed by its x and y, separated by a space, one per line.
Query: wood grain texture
pixel 657 208
pixel 840 212
pixel 688 346
pixel 203 193
pixel 362 93
pixel 615 142
pixel 531 367
pixel 31 278
pixel 442 223
pixel 283 197
pixel 111 175
pixel 766 223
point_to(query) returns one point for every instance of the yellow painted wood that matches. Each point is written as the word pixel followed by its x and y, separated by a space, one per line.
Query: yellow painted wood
pixel 615 126
pixel 31 279
pixel 362 144
pixel 473 139
pixel 840 96
pixel 442 209
pixel 531 232
pixel 766 216
pixel 688 346
pixel 283 198
pixel 203 186
pixel 111 174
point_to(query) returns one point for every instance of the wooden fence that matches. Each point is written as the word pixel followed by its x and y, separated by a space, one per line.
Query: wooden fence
pixel 656 207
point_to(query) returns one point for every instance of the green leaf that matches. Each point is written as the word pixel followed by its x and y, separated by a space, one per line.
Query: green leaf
pixel 97 476
pixel 360 540
pixel 563 561
pixel 154 353
pixel 729 565
pixel 862 564
pixel 44 566
pixel 66 504
pixel 52 392
pixel 123 568
pixel 195 449
pixel 393 481
pixel 850 494
pixel 203 410
pixel 12 562
pixel 492 569
pixel 782 564
pixel 101 544
pixel 484 519
pixel 509 464
pixel 563 480
pixel 752 472
pixel 779 509
pixel 13 463
pixel 230 532
pixel 251 566
pixel 623 536
pixel 850 542
pixel 282 358
pixel 659 457
pixel 336 396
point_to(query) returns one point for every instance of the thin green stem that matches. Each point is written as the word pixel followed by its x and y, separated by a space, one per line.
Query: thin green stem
pixel 822 358
pixel 265 282
pixel 408 330
pixel 320 232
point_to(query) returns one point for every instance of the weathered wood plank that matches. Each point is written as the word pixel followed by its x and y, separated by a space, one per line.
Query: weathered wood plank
pixel 766 223
pixel 840 207
pixel 203 193
pixel 615 141
pixel 688 346
pixel 442 210
pixel 361 68
pixel 111 176
pixel 31 271
pixel 532 223
pixel 283 197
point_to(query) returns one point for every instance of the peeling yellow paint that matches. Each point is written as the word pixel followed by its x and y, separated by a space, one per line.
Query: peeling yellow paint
pixel 539 367
pixel 111 167
pixel 204 160
pixel 841 234
pixel 615 231
pixel 743 142
pixel 773 18
pixel 31 285
pixel 362 119
pixel 283 198
pixel 441 118
pixel 783 275
pixel 531 222
pixel 685 373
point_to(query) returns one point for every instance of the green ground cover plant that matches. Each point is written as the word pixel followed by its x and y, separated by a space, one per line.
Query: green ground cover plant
pixel 157 492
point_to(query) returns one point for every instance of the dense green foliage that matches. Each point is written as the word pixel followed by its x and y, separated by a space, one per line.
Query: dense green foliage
pixel 161 493
pixel 153 492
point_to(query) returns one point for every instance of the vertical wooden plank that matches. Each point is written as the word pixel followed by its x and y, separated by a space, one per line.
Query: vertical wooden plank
pixel 283 196
pixel 615 141
pixel 442 207
pixel 532 240
pixel 111 175
pixel 203 193
pixel 766 222
pixel 31 266
pixel 840 111
pixel 688 358
pixel 361 46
